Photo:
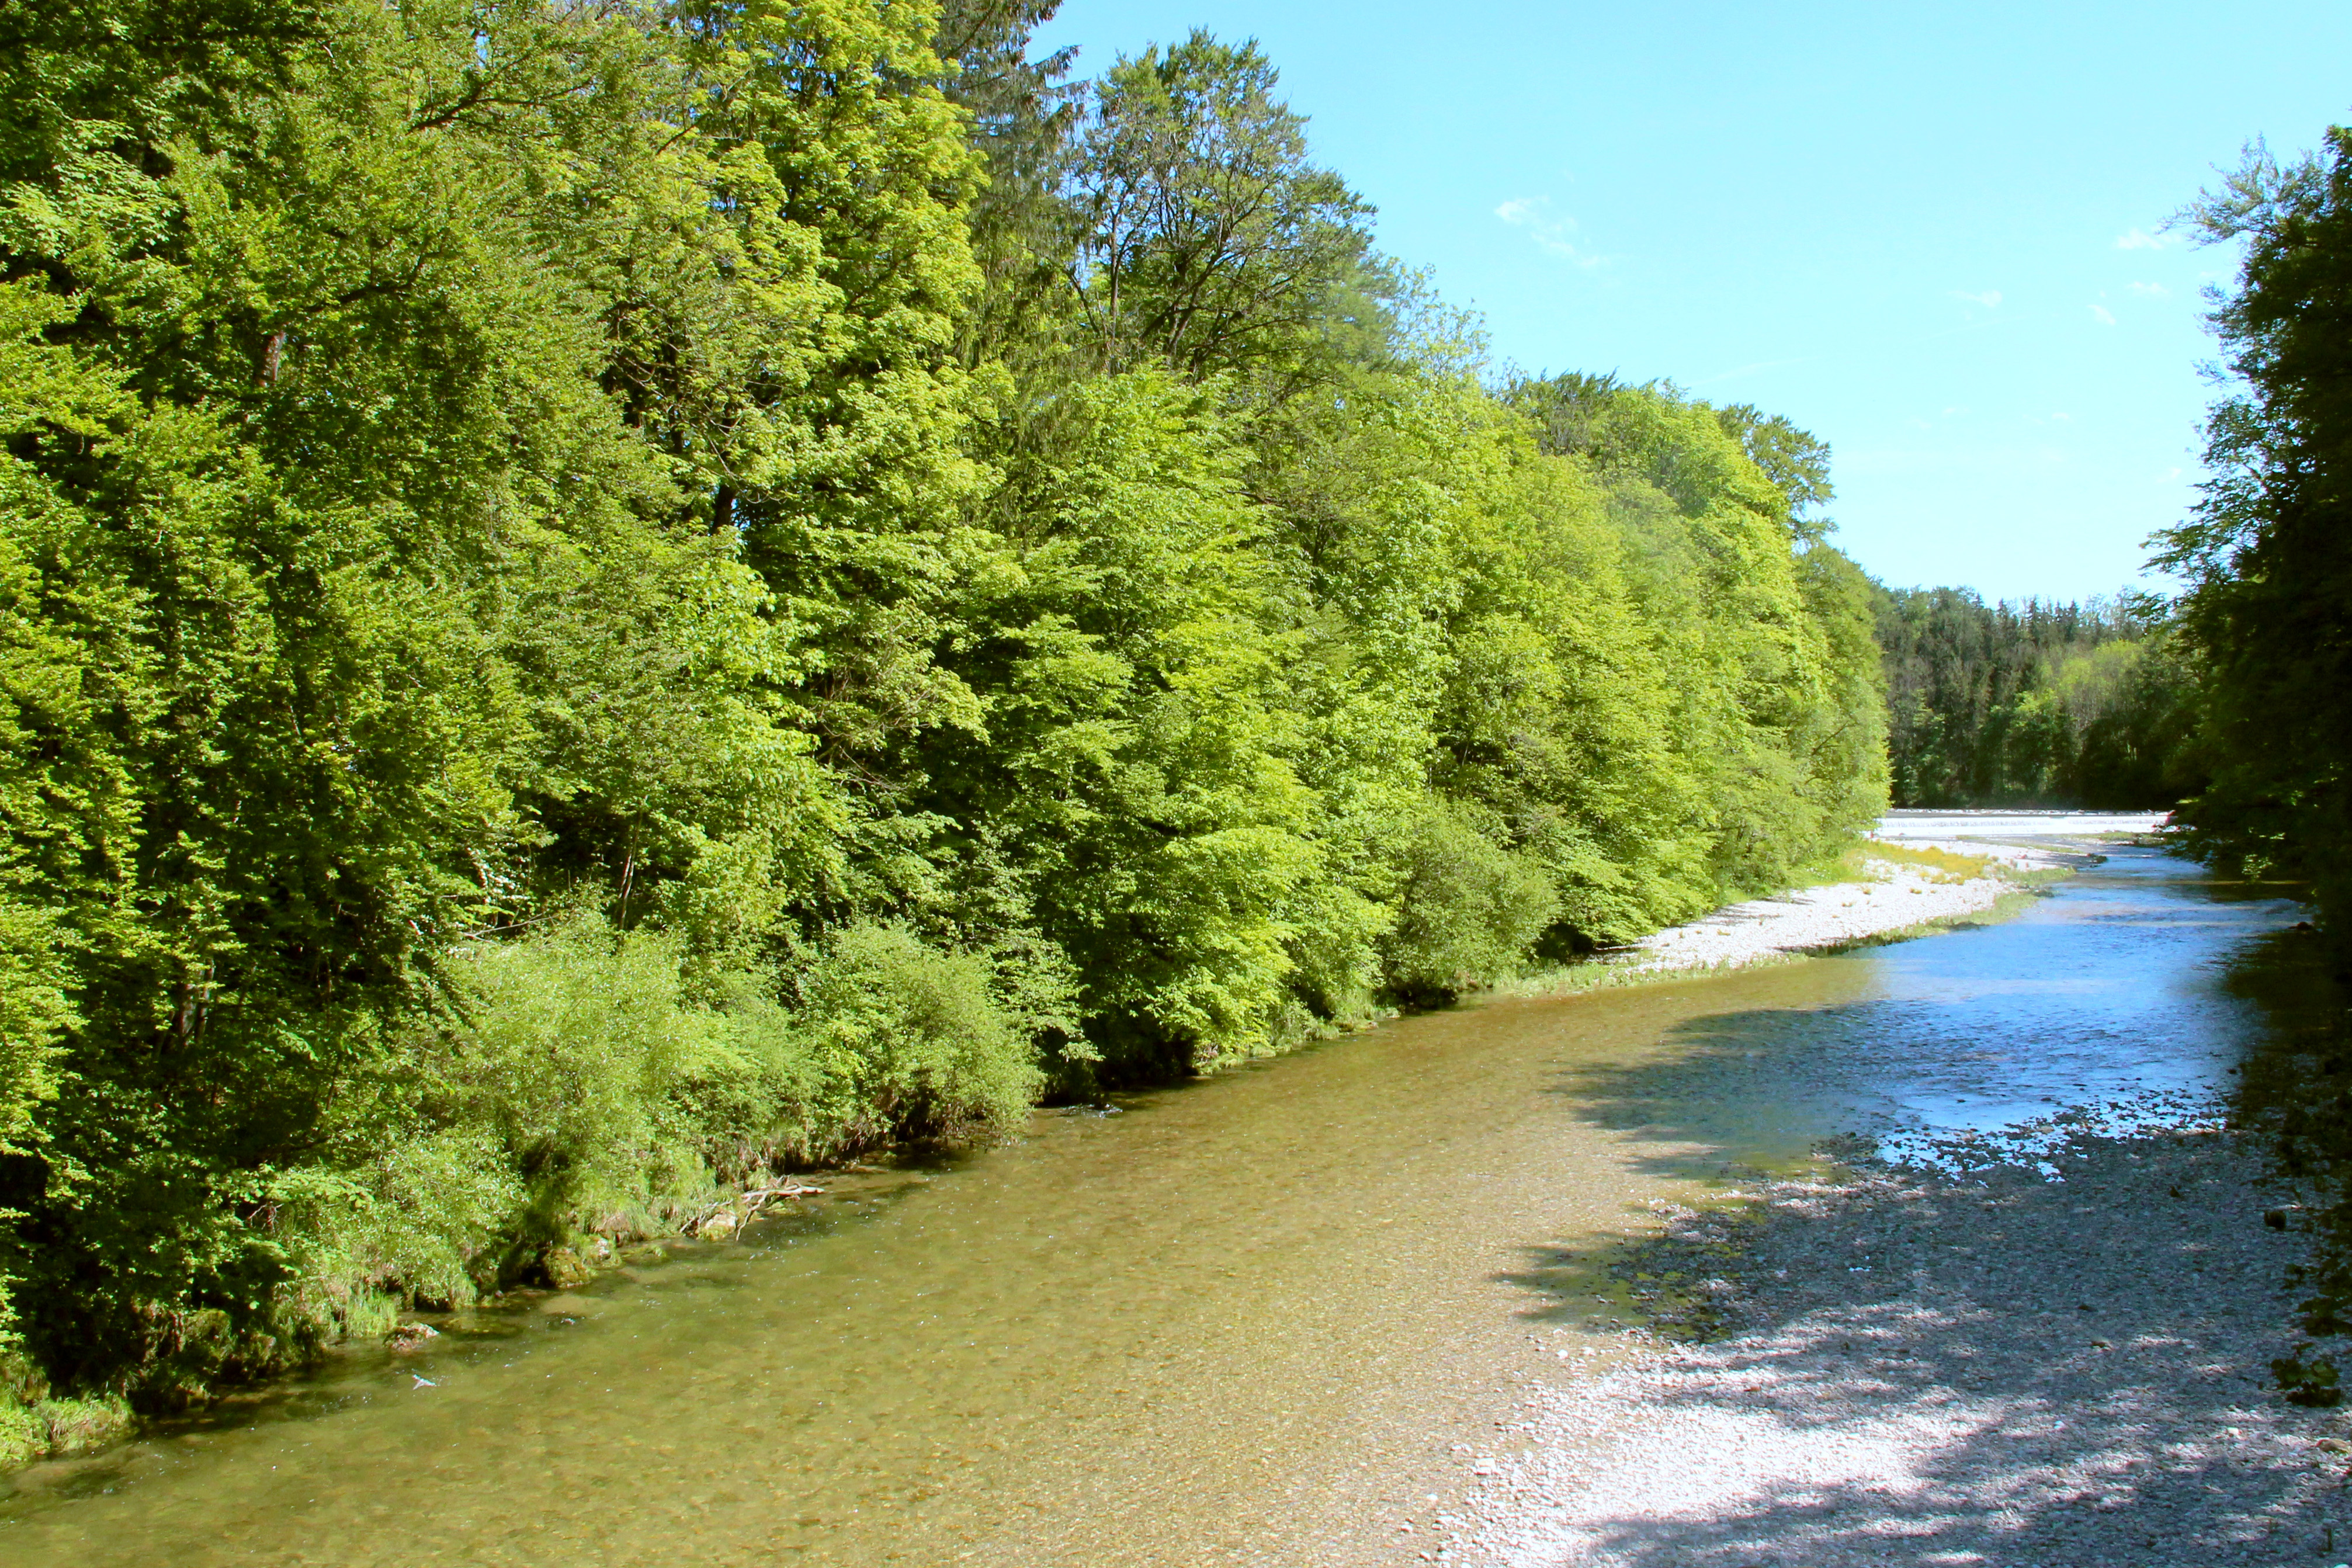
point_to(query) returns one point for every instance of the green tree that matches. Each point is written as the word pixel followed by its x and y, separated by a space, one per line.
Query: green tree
pixel 2076 704
pixel 1129 799
pixel 1209 242
pixel 2268 553
pixel 392 400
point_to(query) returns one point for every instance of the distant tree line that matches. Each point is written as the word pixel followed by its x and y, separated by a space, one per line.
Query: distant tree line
pixel 599 601
pixel 2038 704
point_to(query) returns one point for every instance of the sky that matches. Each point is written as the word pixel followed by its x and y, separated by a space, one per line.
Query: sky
pixel 1933 235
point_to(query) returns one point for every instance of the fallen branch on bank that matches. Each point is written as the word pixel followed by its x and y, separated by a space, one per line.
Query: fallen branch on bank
pixel 741 1209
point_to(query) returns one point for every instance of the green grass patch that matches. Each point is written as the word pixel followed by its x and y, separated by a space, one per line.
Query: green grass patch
pixel 1863 861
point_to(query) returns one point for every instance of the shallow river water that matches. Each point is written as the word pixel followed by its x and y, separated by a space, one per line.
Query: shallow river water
pixel 1262 1318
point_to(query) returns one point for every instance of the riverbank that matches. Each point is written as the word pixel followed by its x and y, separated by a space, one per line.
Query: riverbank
pixel 2060 1361
pixel 1933 885
pixel 1900 889
pixel 1312 1308
pixel 1907 886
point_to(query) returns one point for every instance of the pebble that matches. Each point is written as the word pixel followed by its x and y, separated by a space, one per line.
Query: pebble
pixel 1811 919
pixel 2033 1375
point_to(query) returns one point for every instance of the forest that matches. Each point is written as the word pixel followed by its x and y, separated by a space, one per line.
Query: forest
pixel 2074 705
pixel 601 601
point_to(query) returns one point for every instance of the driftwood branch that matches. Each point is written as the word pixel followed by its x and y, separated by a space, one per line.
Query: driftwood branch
pixel 750 1203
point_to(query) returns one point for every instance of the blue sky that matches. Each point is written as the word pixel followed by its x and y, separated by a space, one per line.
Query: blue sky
pixel 1933 235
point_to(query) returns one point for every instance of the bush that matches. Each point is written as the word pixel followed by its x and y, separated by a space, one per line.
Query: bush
pixel 911 1042
pixel 1472 909
pixel 581 1080
pixel 572 1049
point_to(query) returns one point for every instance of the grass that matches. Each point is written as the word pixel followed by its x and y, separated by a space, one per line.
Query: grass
pixel 1943 863
pixel 1865 860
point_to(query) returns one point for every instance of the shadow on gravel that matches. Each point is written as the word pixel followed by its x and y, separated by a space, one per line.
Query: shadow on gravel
pixel 2003 1370
pixel 2060 1357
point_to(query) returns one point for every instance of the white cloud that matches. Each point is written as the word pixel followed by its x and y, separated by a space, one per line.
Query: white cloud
pixel 2107 316
pixel 2150 290
pixel 2139 239
pixel 1989 299
pixel 2169 475
pixel 1551 233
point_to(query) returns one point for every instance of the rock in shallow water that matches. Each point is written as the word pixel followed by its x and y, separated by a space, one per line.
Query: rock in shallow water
pixel 564 1268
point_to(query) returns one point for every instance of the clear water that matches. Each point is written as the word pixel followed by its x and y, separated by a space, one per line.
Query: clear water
pixel 1257 1320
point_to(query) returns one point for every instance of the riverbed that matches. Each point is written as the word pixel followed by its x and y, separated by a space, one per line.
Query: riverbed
pixel 1289 1315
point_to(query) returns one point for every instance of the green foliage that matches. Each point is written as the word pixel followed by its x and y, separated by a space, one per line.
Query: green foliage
pixel 2314 1383
pixel 1135 800
pixel 1794 460
pixel 359 605
pixel 2085 705
pixel 1844 738
pixel 903 1041
pixel 1768 704
pixel 2268 554
pixel 1471 912
pixel 597 602
pixel 1209 243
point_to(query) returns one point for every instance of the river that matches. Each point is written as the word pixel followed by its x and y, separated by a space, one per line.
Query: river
pixel 1261 1319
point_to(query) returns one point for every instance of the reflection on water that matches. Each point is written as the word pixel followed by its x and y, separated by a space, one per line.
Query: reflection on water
pixel 2111 988
pixel 1259 1320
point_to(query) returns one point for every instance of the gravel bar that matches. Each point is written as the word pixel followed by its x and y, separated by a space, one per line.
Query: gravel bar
pixel 1992 1367
pixel 1815 919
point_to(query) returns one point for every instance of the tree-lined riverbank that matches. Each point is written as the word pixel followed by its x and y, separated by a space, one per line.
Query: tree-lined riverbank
pixel 601 603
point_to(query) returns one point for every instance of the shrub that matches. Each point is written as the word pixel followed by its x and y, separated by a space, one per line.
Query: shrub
pixel 911 1042
pixel 1472 909
pixel 583 1080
